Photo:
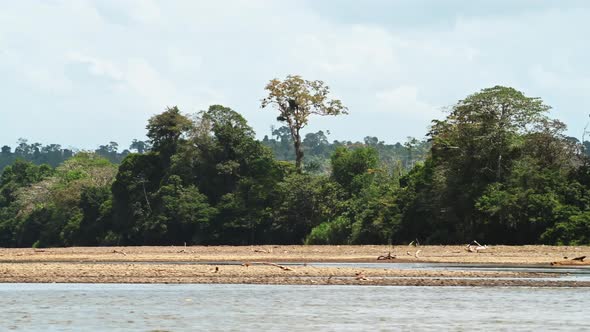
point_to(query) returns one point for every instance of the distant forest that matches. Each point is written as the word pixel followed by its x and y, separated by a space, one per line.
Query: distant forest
pixel 497 170
pixel 318 149
pixel 54 154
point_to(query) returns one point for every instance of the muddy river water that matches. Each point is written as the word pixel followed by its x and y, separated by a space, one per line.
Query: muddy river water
pixel 197 307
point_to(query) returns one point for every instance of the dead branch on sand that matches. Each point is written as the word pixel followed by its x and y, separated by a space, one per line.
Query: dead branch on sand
pixel 360 276
pixel 386 257
pixel 282 267
pixel 573 261
pixel 475 247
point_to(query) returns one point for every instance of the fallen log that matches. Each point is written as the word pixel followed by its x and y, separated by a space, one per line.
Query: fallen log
pixel 574 261
pixel 360 276
pixel 569 263
pixel 282 267
pixel 119 252
pixel 475 247
pixel 386 257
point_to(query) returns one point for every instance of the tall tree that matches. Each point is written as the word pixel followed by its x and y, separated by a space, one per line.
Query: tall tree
pixel 476 149
pixel 296 99
pixel 354 169
pixel 166 130
pixel 139 146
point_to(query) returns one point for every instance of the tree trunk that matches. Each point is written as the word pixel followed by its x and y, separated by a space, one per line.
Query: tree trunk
pixel 499 170
pixel 298 152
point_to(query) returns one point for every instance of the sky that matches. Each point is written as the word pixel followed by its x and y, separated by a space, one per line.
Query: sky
pixel 81 73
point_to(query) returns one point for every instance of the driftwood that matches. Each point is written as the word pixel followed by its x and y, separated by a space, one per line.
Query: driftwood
pixel 282 267
pixel 182 251
pixel 119 252
pixel 570 262
pixel 386 257
pixel 417 252
pixel 475 247
pixel 573 261
pixel 360 276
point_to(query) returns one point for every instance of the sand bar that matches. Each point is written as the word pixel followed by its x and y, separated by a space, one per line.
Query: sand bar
pixel 223 264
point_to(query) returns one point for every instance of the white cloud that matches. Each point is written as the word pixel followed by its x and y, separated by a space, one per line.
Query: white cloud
pixel 98 67
pixel 139 56
pixel 345 51
pixel 180 61
pixel 404 102
pixel 565 83
pixel 147 82
pixel 137 11
pixel 45 80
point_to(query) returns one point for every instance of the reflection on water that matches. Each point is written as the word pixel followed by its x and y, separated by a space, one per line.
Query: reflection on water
pixel 108 307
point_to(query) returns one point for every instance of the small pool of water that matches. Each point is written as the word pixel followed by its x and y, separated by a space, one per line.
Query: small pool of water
pixel 580 273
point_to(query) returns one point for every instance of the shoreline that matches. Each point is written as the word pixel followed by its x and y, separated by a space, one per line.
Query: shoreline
pixel 521 255
pixel 258 265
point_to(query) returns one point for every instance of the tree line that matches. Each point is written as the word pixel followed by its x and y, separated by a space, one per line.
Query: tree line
pixel 316 146
pixel 54 154
pixel 498 169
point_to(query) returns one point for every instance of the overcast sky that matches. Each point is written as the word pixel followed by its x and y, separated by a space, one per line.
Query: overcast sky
pixel 83 73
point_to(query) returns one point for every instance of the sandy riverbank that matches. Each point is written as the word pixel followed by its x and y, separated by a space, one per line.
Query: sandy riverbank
pixel 128 265
pixel 434 254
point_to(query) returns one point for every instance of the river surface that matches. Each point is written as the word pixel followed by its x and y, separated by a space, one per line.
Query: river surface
pixel 196 307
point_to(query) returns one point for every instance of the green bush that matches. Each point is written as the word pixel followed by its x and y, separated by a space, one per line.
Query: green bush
pixel 574 231
pixel 331 232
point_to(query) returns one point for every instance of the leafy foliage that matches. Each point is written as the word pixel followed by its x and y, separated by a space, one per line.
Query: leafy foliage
pixel 296 100
pixel 497 169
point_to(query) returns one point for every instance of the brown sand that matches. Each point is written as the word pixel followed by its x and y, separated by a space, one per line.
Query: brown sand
pixel 153 265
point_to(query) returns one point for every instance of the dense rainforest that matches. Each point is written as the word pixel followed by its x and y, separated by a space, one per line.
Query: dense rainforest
pixel 497 169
